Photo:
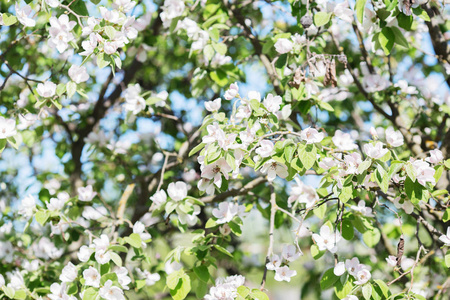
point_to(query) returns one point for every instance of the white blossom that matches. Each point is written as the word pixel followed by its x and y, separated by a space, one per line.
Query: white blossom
pixel 7 128
pixel 86 194
pixel 284 274
pixel 283 46
pixel 69 273
pixel 78 74
pixel 46 89
pixel 375 151
pixel 91 277
pixel 177 190
pixel 327 240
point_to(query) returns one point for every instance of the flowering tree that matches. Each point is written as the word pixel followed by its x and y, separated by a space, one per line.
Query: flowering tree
pixel 194 149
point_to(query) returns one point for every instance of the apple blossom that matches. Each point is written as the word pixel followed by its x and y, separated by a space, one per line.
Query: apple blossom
pixel 363 276
pixel 232 92
pixel 60 32
pixel 84 253
pixel 344 141
pixel 436 156
pixel 177 190
pixel 339 269
pixel 284 274
pixel 27 206
pixel 392 260
pixel 274 263
pixel 311 135
pixel 290 253
pixel 327 239
pixel 365 211
pixel 7 128
pixel 69 273
pixel 53 3
pixel 227 211
pixel 78 74
pixel 265 149
pixel 272 103
pixel 446 238
pixel 273 168
pixel 102 256
pixel 394 138
pixel 283 46
pixel 424 173
pixel 22 15
pixel 110 292
pixel 139 228
pixel 91 277
pixel 214 105
pixel 375 151
pixel 46 89
pixel 215 171
pixel 159 198
pixel 150 279
pixel 86 194
pixel 122 277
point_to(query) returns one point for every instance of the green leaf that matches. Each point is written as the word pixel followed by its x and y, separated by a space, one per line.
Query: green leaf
pixel 446 216
pixel 399 37
pixel 173 279
pixel 182 289
pixel 307 154
pixel 9 291
pixel 208 52
pixel 383 286
pixel 235 228
pixel 325 105
pixel 346 193
pixel 8 19
pixel 364 165
pixel 101 60
pixel 328 279
pixel 418 11
pixel 134 240
pixel 140 284
pixel 202 273
pixel 110 32
pixel 372 237
pixel 367 291
pixel 71 88
pixel 116 258
pixel 211 223
pixel 221 48
pixel 320 211
pixel 21 294
pixel 90 294
pixel 42 217
pixel 223 250
pixel 386 39
pixel 347 230
pixel 447 163
pixel 219 77
pixel 118 248
pixel 196 149
pixel 411 171
pixel 343 289
pixel 2 144
pixel 447 259
pixel 321 18
pixel 73 288
pixel 108 276
pixel 260 295
pixel 315 252
pixel 359 8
